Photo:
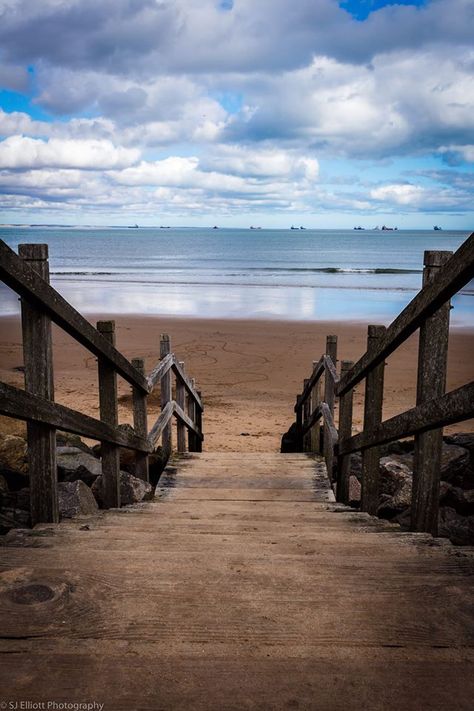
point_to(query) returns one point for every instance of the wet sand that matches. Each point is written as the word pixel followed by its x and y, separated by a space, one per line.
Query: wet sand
pixel 249 372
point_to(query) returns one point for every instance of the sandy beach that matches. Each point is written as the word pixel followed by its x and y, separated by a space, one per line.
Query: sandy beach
pixel 249 372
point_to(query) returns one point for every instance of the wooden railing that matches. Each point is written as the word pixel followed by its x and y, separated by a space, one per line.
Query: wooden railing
pixel 27 273
pixel 444 275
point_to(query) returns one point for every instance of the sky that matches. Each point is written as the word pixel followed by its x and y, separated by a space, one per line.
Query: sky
pixel 237 112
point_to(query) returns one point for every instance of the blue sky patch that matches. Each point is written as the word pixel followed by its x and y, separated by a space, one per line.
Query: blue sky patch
pixel 361 9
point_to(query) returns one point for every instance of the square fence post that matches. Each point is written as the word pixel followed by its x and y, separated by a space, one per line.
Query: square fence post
pixel 140 422
pixel 181 401
pixel 345 431
pixel 109 413
pixel 372 417
pixel 38 363
pixel 431 384
pixel 166 394
pixel 315 434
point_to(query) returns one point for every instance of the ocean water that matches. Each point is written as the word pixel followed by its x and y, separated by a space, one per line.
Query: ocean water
pixel 303 275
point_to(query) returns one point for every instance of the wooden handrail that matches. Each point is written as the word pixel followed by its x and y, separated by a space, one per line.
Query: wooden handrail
pixel 186 382
pixel 456 273
pixel 23 405
pixel 318 370
pixel 171 409
pixel 28 274
pixel 444 274
pixel 159 370
pixel 29 285
pixel 455 406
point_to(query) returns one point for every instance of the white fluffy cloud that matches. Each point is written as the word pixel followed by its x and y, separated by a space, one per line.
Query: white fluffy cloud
pixel 200 107
pixel 25 152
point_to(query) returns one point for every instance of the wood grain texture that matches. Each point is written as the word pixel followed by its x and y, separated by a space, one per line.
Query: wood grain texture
pixel 39 380
pixel 31 286
pixel 230 591
pixel 431 384
pixel 457 272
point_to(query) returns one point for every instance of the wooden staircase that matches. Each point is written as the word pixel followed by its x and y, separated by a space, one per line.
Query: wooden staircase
pixel 243 585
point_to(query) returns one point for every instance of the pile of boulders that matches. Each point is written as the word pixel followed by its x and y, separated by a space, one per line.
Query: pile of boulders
pixel 80 482
pixel 456 498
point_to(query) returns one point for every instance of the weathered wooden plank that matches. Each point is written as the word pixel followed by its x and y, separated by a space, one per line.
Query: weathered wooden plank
pixel 330 438
pixel 431 383
pixel 315 399
pixel 458 271
pixel 25 406
pixel 166 393
pixel 187 382
pixel 108 405
pixel 373 405
pixel 306 414
pixel 183 417
pixel 159 371
pixel 316 374
pixel 313 419
pixel 31 286
pixel 192 410
pixel 455 406
pixel 38 362
pixel 199 412
pixel 140 423
pixel 330 369
pixel 345 432
pixel 163 421
pixel 181 404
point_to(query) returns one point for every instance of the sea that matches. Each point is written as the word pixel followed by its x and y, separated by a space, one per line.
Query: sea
pixel 292 274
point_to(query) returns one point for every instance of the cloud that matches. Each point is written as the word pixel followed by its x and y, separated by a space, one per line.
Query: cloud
pixel 23 152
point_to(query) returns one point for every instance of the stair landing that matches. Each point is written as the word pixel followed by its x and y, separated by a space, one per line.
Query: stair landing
pixel 243 585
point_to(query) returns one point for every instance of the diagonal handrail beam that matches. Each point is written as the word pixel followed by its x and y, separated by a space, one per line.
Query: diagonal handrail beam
pixel 456 273
pixel 26 282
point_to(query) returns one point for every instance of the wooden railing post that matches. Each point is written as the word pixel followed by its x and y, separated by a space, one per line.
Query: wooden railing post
pixel 181 401
pixel 345 431
pixel 199 423
pixel 315 433
pixel 165 393
pixel 38 363
pixel 140 422
pixel 306 414
pixel 431 384
pixel 299 426
pixel 192 439
pixel 331 351
pixel 372 417
pixel 109 413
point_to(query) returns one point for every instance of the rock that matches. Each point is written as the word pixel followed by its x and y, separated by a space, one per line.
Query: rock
pixel 462 439
pixel 444 490
pixel 398 447
pixel 76 499
pixel 404 519
pixel 459 529
pixel 354 491
pixel 396 486
pixel 13 453
pixel 13 518
pixel 394 471
pixel 289 441
pixel 356 465
pixel 462 500
pixel 156 460
pixel 132 489
pixel 454 462
pixel 16 499
pixel 74 464
pixel 67 439
pixel 3 485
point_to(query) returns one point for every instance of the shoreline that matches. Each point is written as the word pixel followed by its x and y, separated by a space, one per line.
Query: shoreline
pixel 249 370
